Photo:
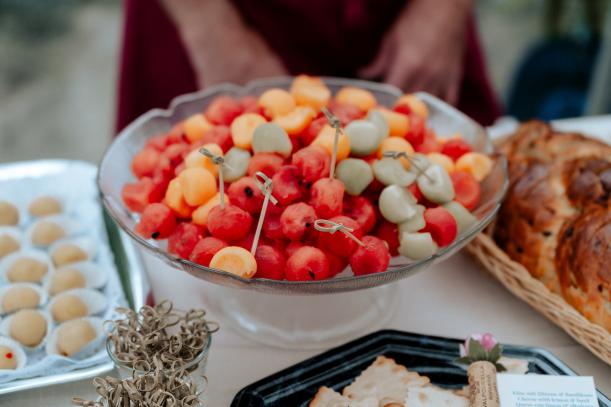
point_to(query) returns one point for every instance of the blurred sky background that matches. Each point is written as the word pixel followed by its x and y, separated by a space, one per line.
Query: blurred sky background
pixel 58 67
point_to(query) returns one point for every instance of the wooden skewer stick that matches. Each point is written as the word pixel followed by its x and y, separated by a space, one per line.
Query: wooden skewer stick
pixel 265 185
pixel 403 154
pixel 219 161
pixel 336 124
pixel 328 226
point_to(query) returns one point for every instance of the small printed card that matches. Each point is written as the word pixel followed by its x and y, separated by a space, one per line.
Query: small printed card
pixel 546 391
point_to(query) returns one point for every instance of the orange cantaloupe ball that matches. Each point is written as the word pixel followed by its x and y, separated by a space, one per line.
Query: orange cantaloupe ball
pixel 396 144
pixel 200 215
pixel 325 139
pixel 361 98
pixel 235 260
pixel 195 159
pixel 196 126
pixel 297 120
pixel 310 91
pixel 416 105
pixel 306 80
pixel 477 164
pixel 277 102
pixel 175 200
pixel 398 124
pixel 198 185
pixel 315 97
pixel 443 160
pixel 243 127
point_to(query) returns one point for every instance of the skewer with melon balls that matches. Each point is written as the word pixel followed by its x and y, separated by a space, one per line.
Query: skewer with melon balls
pixel 362 137
pixel 327 194
pixel 229 223
pixel 270 260
pixel 398 205
pixel 271 138
pixel 263 261
pixel 421 230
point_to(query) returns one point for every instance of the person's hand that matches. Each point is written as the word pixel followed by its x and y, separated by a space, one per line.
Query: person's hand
pixel 238 58
pixel 221 47
pixel 424 49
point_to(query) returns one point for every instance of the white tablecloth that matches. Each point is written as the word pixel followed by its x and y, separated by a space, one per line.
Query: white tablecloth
pixel 452 299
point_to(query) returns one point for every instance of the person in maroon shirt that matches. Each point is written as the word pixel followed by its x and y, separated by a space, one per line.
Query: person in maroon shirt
pixel 171 47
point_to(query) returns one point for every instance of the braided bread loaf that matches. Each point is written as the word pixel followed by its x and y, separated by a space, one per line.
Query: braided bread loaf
pixel 556 219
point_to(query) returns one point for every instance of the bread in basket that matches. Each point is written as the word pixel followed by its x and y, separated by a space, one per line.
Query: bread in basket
pixel 551 243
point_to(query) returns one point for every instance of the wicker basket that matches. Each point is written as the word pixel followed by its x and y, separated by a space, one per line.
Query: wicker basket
pixel 519 281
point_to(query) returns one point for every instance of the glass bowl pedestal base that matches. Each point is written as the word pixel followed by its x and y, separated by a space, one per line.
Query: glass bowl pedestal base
pixel 304 321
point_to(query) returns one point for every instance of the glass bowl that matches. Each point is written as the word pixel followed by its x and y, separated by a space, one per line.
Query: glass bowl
pixel 444 119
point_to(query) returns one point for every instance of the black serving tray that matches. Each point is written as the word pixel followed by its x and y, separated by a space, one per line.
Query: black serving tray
pixel 428 355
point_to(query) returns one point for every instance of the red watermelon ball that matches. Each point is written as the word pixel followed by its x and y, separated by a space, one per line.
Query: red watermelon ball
pixel 267 163
pixel 372 257
pixel 296 220
pixel 137 195
pixel 157 222
pixel 327 195
pixel 306 264
pixel 270 263
pixel 389 232
pixel 230 223
pixel 339 243
pixel 313 163
pixel 286 185
pixel 272 226
pixel 146 161
pixel 455 148
pixel 223 110
pixel 184 238
pixel 205 249
pixel 441 224
pixel 362 211
pixel 337 264
pixel 246 195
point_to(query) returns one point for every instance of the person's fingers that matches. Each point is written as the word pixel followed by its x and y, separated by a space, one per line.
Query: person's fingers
pixel 436 81
pixel 408 72
pixel 447 85
pixel 433 84
pixel 378 67
pixel 405 75
pixel 417 82
pixel 397 74
pixel 452 91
